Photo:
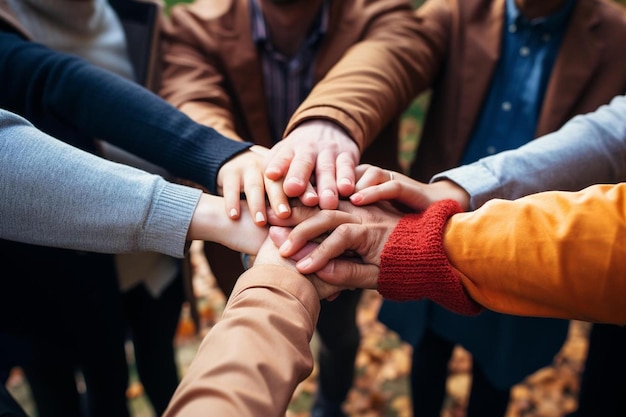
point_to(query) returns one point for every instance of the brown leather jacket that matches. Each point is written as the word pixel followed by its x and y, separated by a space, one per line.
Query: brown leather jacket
pixel 212 72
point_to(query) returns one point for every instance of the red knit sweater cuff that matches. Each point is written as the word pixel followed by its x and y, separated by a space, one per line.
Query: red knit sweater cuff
pixel 414 264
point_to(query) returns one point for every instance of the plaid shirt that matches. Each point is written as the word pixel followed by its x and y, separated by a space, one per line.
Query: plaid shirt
pixel 287 80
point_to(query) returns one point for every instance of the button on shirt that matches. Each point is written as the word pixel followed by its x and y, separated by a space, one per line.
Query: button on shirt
pixel 511 108
pixel 287 80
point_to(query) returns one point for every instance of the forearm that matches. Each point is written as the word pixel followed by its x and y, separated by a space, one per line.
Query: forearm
pixel 590 149
pixel 376 79
pixel 251 361
pixel 56 195
pixel 552 254
pixel 51 90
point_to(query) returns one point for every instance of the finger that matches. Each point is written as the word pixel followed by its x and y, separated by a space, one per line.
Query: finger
pixel 299 172
pixel 232 196
pixel 326 180
pixel 344 237
pixel 278 162
pixel 325 290
pixel 309 197
pixel 361 169
pixel 392 190
pixel 298 214
pixel 254 188
pixel 279 236
pixel 346 176
pixel 350 274
pixel 372 176
pixel 279 202
pixel 314 227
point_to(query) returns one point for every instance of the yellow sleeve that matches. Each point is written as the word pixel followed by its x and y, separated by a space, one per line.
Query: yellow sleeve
pixel 557 254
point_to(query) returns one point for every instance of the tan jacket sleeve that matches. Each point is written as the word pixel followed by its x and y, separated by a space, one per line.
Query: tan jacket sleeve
pixel 552 254
pixel 251 361
pixel 191 78
pixel 378 77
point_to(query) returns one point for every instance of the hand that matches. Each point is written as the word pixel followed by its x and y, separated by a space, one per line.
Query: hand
pixel 244 173
pixel 210 223
pixel 268 255
pixel 319 147
pixel 352 241
pixel 377 184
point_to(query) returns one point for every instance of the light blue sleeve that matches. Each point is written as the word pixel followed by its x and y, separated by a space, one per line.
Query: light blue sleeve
pixel 589 149
pixel 53 194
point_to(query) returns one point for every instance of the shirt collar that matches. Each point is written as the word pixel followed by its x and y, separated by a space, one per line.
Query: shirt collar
pixel 259 27
pixel 553 22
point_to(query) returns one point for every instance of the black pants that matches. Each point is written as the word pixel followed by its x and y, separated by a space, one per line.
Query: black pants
pixel 429 374
pixel 152 323
pixel 8 406
pixel 602 384
pixel 340 339
pixel 67 305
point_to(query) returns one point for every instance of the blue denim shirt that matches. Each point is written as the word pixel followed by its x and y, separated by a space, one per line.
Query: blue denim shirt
pixel 513 103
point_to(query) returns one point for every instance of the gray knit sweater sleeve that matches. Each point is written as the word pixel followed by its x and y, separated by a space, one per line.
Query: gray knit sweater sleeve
pixel 589 149
pixel 56 195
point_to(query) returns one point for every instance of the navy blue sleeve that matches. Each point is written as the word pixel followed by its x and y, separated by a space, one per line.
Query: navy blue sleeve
pixel 54 90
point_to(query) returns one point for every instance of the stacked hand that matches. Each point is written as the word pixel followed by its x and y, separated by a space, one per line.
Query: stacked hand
pixel 319 151
pixel 343 246
pixel 353 239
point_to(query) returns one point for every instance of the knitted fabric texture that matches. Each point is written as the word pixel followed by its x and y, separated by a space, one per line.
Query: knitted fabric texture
pixel 414 264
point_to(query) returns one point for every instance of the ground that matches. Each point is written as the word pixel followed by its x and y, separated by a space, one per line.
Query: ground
pixel 383 363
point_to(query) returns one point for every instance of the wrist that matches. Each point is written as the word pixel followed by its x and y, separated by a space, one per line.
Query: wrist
pixel 447 189
pixel 208 219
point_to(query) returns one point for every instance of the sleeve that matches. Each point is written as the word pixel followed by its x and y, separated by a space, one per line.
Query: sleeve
pixel 589 149
pixel 414 266
pixel 552 254
pixel 192 77
pixel 56 195
pixel 54 90
pixel 398 57
pixel 252 360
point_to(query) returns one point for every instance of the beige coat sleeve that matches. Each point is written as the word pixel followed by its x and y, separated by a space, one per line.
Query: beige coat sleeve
pixel 553 254
pixel 192 78
pixel 251 361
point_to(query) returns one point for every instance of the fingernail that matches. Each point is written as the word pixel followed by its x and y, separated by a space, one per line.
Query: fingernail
pixel 356 197
pixel 284 248
pixel 282 208
pixel 345 181
pixel 304 263
pixel 310 195
pixel 233 213
pixel 328 193
pixel 259 217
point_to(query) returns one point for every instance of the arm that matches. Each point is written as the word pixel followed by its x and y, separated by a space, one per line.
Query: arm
pixel 192 79
pixel 56 195
pixel 252 360
pixel 65 93
pixel 53 89
pixel 555 254
pixel 397 57
pixel 552 254
pixel 589 149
